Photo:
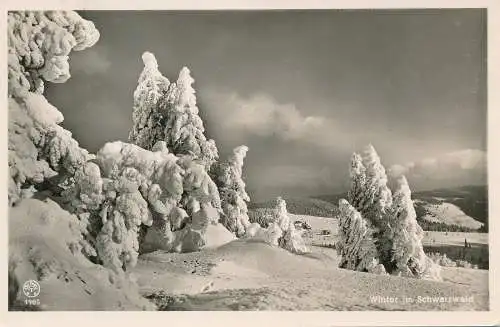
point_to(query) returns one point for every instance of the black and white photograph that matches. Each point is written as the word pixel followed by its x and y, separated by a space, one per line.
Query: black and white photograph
pixel 248 160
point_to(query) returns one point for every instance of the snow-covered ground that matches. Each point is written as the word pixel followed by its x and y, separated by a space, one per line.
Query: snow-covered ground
pixel 246 275
pixel 454 238
pixel 228 275
pixel 41 236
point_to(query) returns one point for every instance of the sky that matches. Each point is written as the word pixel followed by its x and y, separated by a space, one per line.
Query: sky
pixel 302 89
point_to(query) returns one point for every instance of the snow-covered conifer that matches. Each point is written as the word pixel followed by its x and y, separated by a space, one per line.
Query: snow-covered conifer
pixel 372 198
pixel 376 194
pixel 232 192
pixel 280 232
pixel 39 43
pixel 38 46
pixel 293 240
pixel 357 173
pixel 356 244
pixel 407 250
pixel 184 130
pixel 165 111
pixel 128 187
pixel 282 218
pixel 149 94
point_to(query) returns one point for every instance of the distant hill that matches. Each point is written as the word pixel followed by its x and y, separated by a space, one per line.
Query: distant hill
pixel 465 206
pixel 302 206
pixel 454 209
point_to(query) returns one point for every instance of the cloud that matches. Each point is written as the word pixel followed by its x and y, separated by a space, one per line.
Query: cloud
pixel 459 168
pixel 261 115
pixel 91 61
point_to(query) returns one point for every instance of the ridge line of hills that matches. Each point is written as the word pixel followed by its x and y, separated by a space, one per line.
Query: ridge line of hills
pixel 460 209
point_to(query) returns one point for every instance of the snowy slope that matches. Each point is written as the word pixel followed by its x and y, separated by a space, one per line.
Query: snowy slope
pixel 246 275
pixel 41 235
pixel 447 213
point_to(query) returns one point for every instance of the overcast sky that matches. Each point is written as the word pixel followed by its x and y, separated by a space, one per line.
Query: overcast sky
pixel 302 89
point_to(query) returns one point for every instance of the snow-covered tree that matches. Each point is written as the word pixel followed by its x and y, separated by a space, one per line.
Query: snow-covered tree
pixel 149 94
pixel 391 221
pixel 39 43
pixel 232 192
pixel 407 250
pixel 129 187
pixel 377 195
pixel 293 241
pixel 184 130
pixel 280 232
pixel 45 239
pixel 165 111
pixel 356 244
pixel 372 198
pixel 357 173
pixel 291 238
pixel 282 218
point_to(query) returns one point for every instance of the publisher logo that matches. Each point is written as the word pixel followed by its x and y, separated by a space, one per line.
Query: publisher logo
pixel 31 288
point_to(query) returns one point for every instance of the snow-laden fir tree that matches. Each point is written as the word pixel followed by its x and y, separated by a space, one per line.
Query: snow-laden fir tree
pixel 291 238
pixel 150 92
pixel 234 198
pixel 129 187
pixel 377 195
pixel 293 241
pixel 45 240
pixel 407 249
pixel 39 43
pixel 280 232
pixel 282 218
pixel 372 198
pixel 357 173
pixel 165 111
pixel 356 244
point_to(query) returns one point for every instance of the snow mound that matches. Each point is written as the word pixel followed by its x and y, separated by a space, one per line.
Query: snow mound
pixel 233 269
pixel 44 245
pixel 217 235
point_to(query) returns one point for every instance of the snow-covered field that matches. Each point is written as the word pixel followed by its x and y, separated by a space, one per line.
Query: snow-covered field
pixel 454 238
pixel 245 275
pixel 248 275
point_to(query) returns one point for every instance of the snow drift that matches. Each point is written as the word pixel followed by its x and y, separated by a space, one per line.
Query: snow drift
pixel 45 244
